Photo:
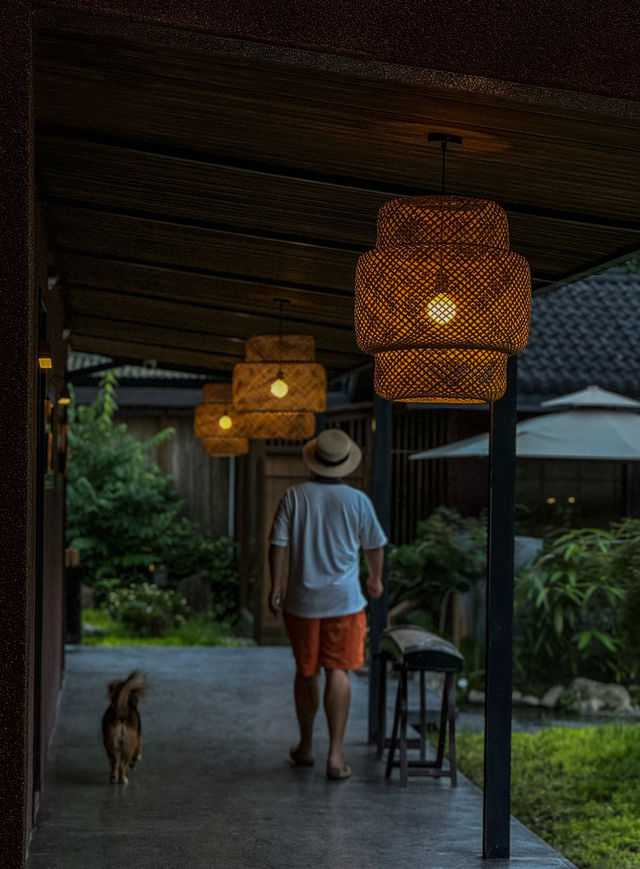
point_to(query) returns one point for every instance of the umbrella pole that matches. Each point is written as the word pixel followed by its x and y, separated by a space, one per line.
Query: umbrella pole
pixel 499 635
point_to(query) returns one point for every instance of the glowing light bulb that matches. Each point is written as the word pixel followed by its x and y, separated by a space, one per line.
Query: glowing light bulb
pixel 551 500
pixel 225 422
pixel 441 309
pixel 279 388
pixel 571 499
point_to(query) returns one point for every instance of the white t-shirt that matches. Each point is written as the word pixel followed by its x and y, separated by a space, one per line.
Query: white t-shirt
pixel 325 524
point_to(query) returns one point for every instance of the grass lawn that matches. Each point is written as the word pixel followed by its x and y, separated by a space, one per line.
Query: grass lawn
pixel 577 788
pixel 199 630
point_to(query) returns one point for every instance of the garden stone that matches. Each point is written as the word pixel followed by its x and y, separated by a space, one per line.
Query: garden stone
pixel 551 697
pixel 196 588
pixel 592 696
pixel 88 597
pixel 530 700
pixel 475 696
pixel 92 631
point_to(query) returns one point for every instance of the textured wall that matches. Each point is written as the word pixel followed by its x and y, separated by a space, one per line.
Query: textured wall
pixel 582 45
pixel 17 426
pixel 52 602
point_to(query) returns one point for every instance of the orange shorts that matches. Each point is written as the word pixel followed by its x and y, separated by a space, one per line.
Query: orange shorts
pixel 335 643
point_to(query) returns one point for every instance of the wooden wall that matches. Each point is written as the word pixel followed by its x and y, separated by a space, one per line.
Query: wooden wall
pixel 201 480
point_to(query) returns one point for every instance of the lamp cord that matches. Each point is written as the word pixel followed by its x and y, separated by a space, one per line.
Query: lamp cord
pixel 280 343
pixel 444 159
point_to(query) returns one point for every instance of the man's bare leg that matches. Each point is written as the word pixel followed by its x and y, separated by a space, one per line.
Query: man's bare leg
pixel 337 699
pixel 307 699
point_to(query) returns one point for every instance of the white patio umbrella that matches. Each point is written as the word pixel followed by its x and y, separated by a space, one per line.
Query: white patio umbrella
pixel 600 425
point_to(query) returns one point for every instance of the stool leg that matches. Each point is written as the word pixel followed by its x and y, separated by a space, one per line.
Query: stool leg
pixel 423 716
pixel 394 732
pixel 404 762
pixel 442 732
pixel 382 708
pixel 452 732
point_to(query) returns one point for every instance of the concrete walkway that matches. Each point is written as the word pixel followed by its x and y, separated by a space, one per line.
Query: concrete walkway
pixel 215 789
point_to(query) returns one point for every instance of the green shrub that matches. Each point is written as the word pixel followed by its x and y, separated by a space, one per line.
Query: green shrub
pixel 625 570
pixel 199 630
pixel 123 511
pixel 146 610
pixel 448 555
pixel 567 610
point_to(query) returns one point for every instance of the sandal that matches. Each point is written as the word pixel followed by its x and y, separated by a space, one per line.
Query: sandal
pixel 336 773
pixel 298 760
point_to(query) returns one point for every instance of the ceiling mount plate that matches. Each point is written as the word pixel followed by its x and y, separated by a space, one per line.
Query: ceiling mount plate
pixel 448 138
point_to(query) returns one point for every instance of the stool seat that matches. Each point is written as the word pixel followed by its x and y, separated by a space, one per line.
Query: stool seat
pixel 410 649
pixel 419 649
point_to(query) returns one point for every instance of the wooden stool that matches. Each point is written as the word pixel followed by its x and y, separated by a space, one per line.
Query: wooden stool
pixel 413 649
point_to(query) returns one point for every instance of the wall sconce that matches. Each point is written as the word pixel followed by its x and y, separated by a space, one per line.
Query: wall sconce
pixel 44 355
pixel 58 396
pixel 441 301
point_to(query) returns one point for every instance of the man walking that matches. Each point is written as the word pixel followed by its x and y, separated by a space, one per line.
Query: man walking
pixel 323 524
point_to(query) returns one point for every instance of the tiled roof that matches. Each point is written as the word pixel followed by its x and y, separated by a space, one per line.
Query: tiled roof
pixel 77 361
pixel 588 332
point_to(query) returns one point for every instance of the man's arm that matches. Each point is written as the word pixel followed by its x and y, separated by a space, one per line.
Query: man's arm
pixel 277 566
pixel 375 563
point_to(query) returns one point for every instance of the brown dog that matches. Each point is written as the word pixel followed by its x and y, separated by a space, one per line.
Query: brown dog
pixel 121 729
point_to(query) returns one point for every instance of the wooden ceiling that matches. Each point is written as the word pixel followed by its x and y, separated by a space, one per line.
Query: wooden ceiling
pixel 183 191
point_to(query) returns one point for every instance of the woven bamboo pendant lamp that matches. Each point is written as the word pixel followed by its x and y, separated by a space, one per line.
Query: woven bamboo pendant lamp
pixel 279 374
pixel 441 301
pixel 221 427
pixel 289 425
pixel 225 447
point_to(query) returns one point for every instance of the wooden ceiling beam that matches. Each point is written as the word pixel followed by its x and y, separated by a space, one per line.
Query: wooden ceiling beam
pixel 315 212
pixel 211 322
pixel 233 294
pixel 178 245
pixel 174 244
pixel 227 349
pixel 367 129
pixel 132 351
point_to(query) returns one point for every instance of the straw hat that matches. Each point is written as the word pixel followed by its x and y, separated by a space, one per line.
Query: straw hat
pixel 332 454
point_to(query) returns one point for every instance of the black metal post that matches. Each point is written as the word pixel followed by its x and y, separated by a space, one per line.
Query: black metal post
pixel 499 637
pixel 381 497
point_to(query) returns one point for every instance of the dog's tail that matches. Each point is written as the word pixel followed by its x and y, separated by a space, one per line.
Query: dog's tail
pixel 126 694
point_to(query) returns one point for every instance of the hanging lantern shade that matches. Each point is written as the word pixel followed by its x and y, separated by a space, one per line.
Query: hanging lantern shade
pixel 225 447
pixel 441 301
pixel 281 348
pixel 279 375
pixel 221 427
pixel 216 416
pixel 289 425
